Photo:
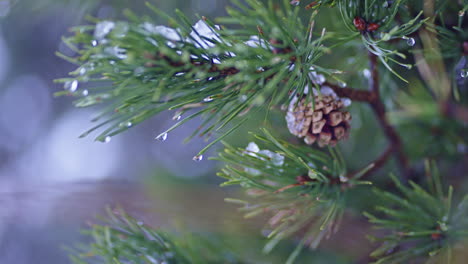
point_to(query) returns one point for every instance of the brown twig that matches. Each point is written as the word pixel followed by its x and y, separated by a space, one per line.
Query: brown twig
pixel 372 97
pixel 379 110
pixel 353 94
pixel 377 164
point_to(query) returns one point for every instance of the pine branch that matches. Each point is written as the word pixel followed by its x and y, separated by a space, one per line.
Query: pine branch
pixel 125 240
pixel 366 18
pixel 423 223
pixel 303 189
pixel 218 72
pixel 267 58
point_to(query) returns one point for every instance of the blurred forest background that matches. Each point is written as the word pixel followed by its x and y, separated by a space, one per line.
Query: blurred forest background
pixel 52 183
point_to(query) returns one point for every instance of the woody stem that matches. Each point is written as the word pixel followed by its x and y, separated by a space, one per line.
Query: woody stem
pixel 379 110
pixel 372 97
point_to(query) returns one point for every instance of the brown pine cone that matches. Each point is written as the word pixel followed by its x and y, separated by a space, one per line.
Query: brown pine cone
pixel 325 123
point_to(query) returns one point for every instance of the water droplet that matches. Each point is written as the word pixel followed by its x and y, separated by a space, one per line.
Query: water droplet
pixel 410 42
pixel 162 137
pixel 464 73
pixel 125 124
pixel 346 102
pixel 343 84
pixel 408 66
pixel 198 158
pixel 295 2
pixel 120 30
pixel 116 52
pixel 177 116
pixel 243 98
pixel 103 28
pixel 208 99
pixel 461 13
pixel 320 79
pixel 443 227
pixel 140 223
pixel 112 62
pixel 343 178
pixel 366 73
pixel 85 92
pixel 83 71
pixel 71 85
pixel 180 74
pixel 139 71
pixel 107 139
pixel 94 43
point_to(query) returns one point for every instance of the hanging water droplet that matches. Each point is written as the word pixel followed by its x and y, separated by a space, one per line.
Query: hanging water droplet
pixel 295 2
pixel 320 79
pixel 83 71
pixel 464 73
pixel 177 116
pixel 343 84
pixel 346 102
pixel 343 178
pixel 410 42
pixel 243 98
pixel 107 139
pixel 125 124
pixel 85 92
pixel 162 137
pixel 94 43
pixel 208 99
pixel 408 66
pixel 366 73
pixel 71 85
pixel 198 158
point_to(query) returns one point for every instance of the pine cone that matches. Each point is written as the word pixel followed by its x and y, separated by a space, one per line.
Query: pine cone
pixel 326 123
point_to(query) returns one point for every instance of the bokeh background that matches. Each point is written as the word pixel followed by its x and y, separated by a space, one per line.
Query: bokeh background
pixel 53 184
